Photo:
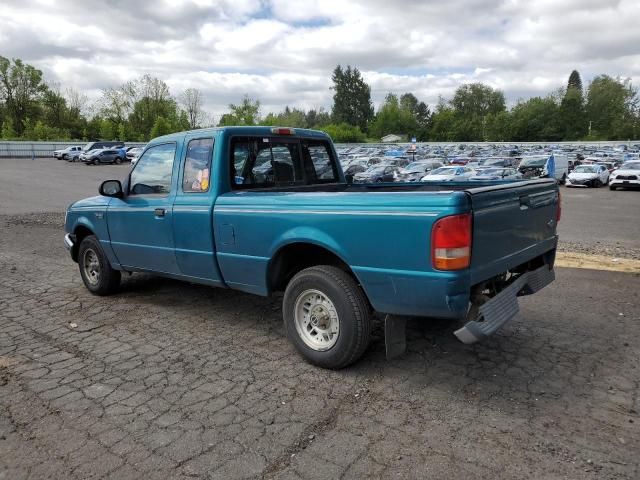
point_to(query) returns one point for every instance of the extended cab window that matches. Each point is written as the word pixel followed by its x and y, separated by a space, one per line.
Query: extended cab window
pixel 153 170
pixel 265 162
pixel 197 165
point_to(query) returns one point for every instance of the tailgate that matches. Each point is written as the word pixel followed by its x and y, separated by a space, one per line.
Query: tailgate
pixel 512 224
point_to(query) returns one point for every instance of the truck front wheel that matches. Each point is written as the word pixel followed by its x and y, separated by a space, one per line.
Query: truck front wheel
pixel 95 269
pixel 327 316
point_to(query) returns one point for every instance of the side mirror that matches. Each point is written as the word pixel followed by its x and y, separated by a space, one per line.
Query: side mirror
pixel 111 188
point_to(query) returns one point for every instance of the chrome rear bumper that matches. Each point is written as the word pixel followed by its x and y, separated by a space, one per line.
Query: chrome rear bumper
pixel 504 306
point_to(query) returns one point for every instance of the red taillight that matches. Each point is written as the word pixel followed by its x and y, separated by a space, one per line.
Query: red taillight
pixel 283 131
pixel 559 208
pixel 451 242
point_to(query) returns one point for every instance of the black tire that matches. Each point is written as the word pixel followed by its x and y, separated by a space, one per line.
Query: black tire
pixel 118 161
pixel 351 306
pixel 65 157
pixel 597 183
pixel 92 257
pixel 612 187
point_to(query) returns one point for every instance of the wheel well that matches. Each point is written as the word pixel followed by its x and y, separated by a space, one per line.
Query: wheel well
pixel 295 257
pixel 80 232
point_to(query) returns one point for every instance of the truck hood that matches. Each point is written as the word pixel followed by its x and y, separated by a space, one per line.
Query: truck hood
pixel 91 202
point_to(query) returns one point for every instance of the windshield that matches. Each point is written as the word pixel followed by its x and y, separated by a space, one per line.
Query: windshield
pixel 415 167
pixel 533 162
pixel 443 171
pixel 630 166
pixel 491 172
pixel 585 169
pixel 494 161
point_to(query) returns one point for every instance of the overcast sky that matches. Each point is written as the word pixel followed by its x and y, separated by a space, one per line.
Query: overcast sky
pixel 283 52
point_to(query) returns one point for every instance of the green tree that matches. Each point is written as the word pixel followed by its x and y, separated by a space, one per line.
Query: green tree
pixel 572 115
pixel 394 116
pixel 444 120
pixel 498 127
pixel 536 120
pixel 107 130
pixel 318 118
pixel 344 133
pixel 160 127
pixel 21 88
pixel 472 104
pixel 575 81
pixel 122 132
pixel 247 112
pixel 612 108
pixel 351 98
pixel 424 120
pixel 8 133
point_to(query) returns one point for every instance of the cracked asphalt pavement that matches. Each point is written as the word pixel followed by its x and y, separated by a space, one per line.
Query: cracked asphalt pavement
pixel 172 380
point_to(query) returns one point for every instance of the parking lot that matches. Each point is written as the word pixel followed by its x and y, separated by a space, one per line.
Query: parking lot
pixel 171 380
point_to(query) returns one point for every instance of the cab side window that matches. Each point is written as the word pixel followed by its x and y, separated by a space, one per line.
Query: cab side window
pixel 197 166
pixel 153 171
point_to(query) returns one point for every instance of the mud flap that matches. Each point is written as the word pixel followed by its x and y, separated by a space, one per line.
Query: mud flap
pixel 504 306
pixel 395 335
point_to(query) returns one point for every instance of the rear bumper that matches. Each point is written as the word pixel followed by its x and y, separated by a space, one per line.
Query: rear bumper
pixel 504 306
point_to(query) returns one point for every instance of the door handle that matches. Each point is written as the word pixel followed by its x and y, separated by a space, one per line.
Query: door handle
pixel 159 212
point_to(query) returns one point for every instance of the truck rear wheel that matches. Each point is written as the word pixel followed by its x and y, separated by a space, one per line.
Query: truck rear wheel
pixel 326 316
pixel 95 269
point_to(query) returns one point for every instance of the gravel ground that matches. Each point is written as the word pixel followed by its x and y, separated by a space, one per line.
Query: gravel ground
pixel 171 380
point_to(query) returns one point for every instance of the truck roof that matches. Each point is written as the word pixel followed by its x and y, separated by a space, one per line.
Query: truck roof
pixel 245 130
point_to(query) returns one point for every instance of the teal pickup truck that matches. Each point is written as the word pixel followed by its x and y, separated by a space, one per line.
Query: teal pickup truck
pixel 266 210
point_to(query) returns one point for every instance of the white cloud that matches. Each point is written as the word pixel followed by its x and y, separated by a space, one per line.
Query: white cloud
pixel 283 52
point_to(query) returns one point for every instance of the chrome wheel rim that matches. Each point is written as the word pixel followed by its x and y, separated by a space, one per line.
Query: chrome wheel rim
pixel 316 319
pixel 91 266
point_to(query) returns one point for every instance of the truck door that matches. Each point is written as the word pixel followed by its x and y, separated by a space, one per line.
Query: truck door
pixel 192 212
pixel 140 224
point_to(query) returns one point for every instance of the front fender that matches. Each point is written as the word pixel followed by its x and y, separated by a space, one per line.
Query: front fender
pixel 94 220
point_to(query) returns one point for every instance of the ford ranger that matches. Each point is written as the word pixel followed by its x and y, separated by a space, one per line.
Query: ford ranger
pixel 266 210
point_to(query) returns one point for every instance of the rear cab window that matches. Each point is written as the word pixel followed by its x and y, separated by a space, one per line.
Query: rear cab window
pixel 266 162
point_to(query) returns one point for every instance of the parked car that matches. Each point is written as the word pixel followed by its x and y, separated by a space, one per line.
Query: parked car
pixel 448 174
pixel 377 173
pixel 96 157
pixel 102 145
pixel 354 169
pixel 416 170
pixel 588 176
pixel 489 174
pixel 339 251
pixel 537 166
pixel 627 176
pixel 133 154
pixel 68 153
